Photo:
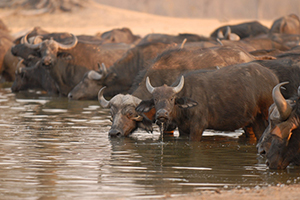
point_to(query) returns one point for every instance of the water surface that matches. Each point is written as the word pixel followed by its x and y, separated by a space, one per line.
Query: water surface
pixel 52 148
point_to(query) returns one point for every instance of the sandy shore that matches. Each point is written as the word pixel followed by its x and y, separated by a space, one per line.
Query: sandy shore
pixel 96 18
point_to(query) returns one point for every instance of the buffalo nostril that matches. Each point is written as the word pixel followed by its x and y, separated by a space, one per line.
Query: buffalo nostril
pixel 114 133
pixel 70 96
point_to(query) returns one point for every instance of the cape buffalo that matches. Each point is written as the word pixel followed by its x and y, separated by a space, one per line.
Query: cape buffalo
pixel 120 76
pixel 165 69
pixel 34 77
pixel 170 64
pixel 227 99
pixel 243 30
pixel 123 35
pixel 86 54
pixel 280 141
pixel 165 38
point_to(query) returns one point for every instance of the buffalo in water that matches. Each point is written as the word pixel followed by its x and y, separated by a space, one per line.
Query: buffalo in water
pixel 227 99
pixel 164 70
pixel 280 142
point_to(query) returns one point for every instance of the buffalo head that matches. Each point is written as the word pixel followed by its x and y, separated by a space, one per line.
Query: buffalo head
pixel 165 100
pixel 280 141
pixel 90 84
pixel 124 117
pixel 49 49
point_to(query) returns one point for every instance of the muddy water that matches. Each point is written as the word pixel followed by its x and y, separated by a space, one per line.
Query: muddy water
pixel 52 148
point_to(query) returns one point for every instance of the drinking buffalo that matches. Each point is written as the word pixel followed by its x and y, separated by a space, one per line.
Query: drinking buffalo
pixel 227 99
pixel 124 118
pixel 280 141
pixel 165 69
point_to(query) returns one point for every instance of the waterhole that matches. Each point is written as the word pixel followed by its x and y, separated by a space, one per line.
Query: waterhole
pixel 52 148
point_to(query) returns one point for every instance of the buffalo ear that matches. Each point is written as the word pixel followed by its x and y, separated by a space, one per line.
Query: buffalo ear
pixel 185 102
pixel 65 56
pixel 146 124
pixel 145 106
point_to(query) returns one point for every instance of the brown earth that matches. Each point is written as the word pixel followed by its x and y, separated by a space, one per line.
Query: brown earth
pixel 96 18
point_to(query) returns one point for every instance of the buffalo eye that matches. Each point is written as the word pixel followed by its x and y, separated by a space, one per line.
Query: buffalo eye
pixel 129 115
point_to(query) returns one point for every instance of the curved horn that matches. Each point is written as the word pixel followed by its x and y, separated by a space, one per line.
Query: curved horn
pixel 93 75
pixel 31 46
pixel 283 107
pixel 299 91
pixel 227 33
pixel 68 46
pixel 220 34
pixel 18 67
pixel 103 69
pixel 37 39
pixel 183 43
pixel 179 87
pixel 103 102
pixel 149 87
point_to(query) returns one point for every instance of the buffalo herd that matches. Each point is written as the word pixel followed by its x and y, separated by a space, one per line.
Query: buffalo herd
pixel 243 76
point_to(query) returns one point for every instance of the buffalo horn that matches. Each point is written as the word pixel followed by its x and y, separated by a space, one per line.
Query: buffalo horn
pixel 18 67
pixel 37 39
pixel 31 46
pixel 103 102
pixel 93 75
pixel 179 87
pixel 299 91
pixel 227 33
pixel 68 46
pixel 220 34
pixel 149 87
pixel 283 107
pixel 103 69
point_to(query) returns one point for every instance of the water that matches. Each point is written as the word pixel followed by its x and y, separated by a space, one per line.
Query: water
pixel 52 148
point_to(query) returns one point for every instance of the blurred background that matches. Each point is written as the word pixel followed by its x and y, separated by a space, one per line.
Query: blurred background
pixel 220 9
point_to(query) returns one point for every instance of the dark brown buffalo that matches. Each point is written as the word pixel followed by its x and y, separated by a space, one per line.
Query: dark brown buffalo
pixel 280 141
pixel 84 53
pixel 243 30
pixel 255 44
pixel 289 24
pixel 166 38
pixel 165 69
pixel 288 40
pixel 287 68
pixel 6 42
pixel 66 74
pixel 227 99
pixel 170 64
pixel 77 57
pixel 34 77
pixel 123 35
pixel 120 76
